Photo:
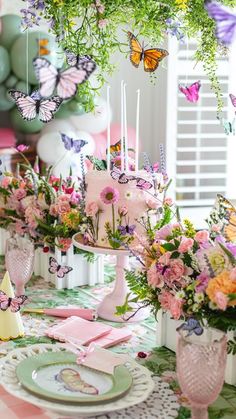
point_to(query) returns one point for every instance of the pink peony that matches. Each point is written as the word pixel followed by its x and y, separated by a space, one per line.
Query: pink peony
pixel 168 201
pixel 109 195
pixel 19 194
pixel 232 275
pixel 64 243
pixel 164 232
pixel 154 277
pixel 91 209
pixel 6 181
pixel 202 236
pixel 221 300
pixel 152 204
pixel 175 270
pixel 186 244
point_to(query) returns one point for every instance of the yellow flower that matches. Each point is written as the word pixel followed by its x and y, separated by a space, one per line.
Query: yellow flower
pixel 182 4
pixel 223 284
pixel 71 219
pixel 58 2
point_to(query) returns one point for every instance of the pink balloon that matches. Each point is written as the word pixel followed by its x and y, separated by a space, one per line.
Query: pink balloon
pixel 115 134
pixel 101 145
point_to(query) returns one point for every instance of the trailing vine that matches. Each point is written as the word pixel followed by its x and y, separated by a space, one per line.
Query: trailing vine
pixel 94 27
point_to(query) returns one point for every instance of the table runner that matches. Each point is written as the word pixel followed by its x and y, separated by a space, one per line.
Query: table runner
pixel 161 361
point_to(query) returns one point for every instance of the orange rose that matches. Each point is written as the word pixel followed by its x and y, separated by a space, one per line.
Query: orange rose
pixel 223 284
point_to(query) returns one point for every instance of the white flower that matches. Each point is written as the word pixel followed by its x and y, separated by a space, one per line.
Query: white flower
pixel 199 297
pixel 195 307
pixel 180 295
pixel 128 195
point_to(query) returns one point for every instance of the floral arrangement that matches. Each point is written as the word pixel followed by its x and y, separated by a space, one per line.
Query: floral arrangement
pixel 91 27
pixel 187 274
pixel 40 205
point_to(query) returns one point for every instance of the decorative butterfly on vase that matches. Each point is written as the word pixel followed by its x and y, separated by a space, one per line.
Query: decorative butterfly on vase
pixel 151 57
pixel 65 82
pixel 73 382
pixel 55 268
pixel 71 144
pixel 122 178
pixel 191 326
pixel 14 303
pixel 127 229
pixel 191 92
pixel 83 62
pixel 225 21
pixel 228 209
pixel 42 47
pixel 34 105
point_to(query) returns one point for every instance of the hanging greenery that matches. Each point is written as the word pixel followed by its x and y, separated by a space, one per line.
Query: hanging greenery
pixel 94 27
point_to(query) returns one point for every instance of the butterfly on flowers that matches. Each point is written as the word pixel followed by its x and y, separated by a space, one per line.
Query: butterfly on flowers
pixel 33 105
pixel 71 144
pixel 13 303
pixel 191 92
pixel 64 81
pixel 42 47
pixel 141 183
pixel 83 62
pixel 128 229
pixel 55 268
pixel 225 21
pixel 191 326
pixel 151 57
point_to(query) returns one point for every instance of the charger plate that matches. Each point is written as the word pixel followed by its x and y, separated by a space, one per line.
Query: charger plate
pixel 56 376
pixel 142 385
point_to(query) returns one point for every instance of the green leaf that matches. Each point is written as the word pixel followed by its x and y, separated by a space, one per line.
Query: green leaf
pixel 169 246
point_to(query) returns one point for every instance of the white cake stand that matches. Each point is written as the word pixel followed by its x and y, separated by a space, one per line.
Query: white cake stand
pixel 107 308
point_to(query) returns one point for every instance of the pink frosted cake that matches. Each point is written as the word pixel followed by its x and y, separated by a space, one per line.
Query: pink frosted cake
pixel 117 205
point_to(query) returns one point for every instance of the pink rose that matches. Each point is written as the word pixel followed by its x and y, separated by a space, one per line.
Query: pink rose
pixel 53 210
pixel 168 201
pixel 164 232
pixel 91 209
pixel 152 204
pixel 64 243
pixel 221 300
pixel 165 299
pixel 202 236
pixel 63 207
pixel 6 181
pixel 154 277
pixel 232 274
pixel 19 194
pixel 176 308
pixel 186 244
pixel 175 270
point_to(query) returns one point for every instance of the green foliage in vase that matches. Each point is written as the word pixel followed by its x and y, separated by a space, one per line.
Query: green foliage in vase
pixel 95 28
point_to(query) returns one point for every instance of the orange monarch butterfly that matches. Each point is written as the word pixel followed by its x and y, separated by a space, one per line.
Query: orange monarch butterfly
pixel 230 217
pixel 42 47
pixel 116 148
pixel 151 57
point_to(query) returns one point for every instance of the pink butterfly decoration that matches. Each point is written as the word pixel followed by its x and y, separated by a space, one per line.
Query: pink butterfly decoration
pixel 191 92
pixel 13 303
pixel 141 183
pixel 233 100
pixel 55 268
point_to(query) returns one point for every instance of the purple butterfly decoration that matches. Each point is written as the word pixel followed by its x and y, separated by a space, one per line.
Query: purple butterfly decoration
pixel 55 268
pixel 126 229
pixel 122 178
pixel 13 303
pixel 225 22
pixel 70 144
pixel 191 326
pixel 191 92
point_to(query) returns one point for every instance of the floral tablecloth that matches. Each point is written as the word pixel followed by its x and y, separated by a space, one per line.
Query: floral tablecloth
pixel 160 360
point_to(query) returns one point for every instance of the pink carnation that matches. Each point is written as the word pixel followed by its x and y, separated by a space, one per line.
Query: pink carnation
pixel 154 277
pixel 221 300
pixel 109 195
pixel 186 244
pixel 91 209
pixel 165 299
pixel 202 236
pixel 19 194
pixel 64 243
pixel 176 308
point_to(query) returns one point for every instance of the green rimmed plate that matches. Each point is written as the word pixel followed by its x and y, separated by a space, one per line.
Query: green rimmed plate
pixel 56 376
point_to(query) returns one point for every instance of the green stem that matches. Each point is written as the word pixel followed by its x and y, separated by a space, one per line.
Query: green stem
pixel 113 219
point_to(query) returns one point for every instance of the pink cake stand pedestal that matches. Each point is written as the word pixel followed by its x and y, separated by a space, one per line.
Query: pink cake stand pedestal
pixel 107 308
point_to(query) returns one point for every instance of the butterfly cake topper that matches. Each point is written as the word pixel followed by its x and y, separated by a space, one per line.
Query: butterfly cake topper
pixel 123 178
pixel 150 57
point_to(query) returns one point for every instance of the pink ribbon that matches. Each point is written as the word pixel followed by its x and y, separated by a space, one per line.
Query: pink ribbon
pixel 84 353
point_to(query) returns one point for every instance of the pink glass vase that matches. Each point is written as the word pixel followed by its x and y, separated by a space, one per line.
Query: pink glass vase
pixel 201 362
pixel 19 259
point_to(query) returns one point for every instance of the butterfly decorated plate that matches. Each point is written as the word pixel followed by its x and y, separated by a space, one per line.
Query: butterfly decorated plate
pixel 56 376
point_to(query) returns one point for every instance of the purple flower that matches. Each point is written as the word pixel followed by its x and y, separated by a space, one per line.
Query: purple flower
pixel 173 28
pixel 36 4
pixel 29 19
pixel 202 281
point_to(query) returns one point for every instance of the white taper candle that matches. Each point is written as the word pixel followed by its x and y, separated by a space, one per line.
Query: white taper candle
pixel 126 146
pixel 108 130
pixel 122 126
pixel 137 131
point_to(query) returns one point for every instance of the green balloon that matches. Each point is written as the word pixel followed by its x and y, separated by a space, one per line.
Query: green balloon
pixel 11 81
pixel 22 86
pixel 63 112
pixel 4 64
pixel 26 48
pixel 21 125
pixel 11 29
pixel 5 102
pixel 76 107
